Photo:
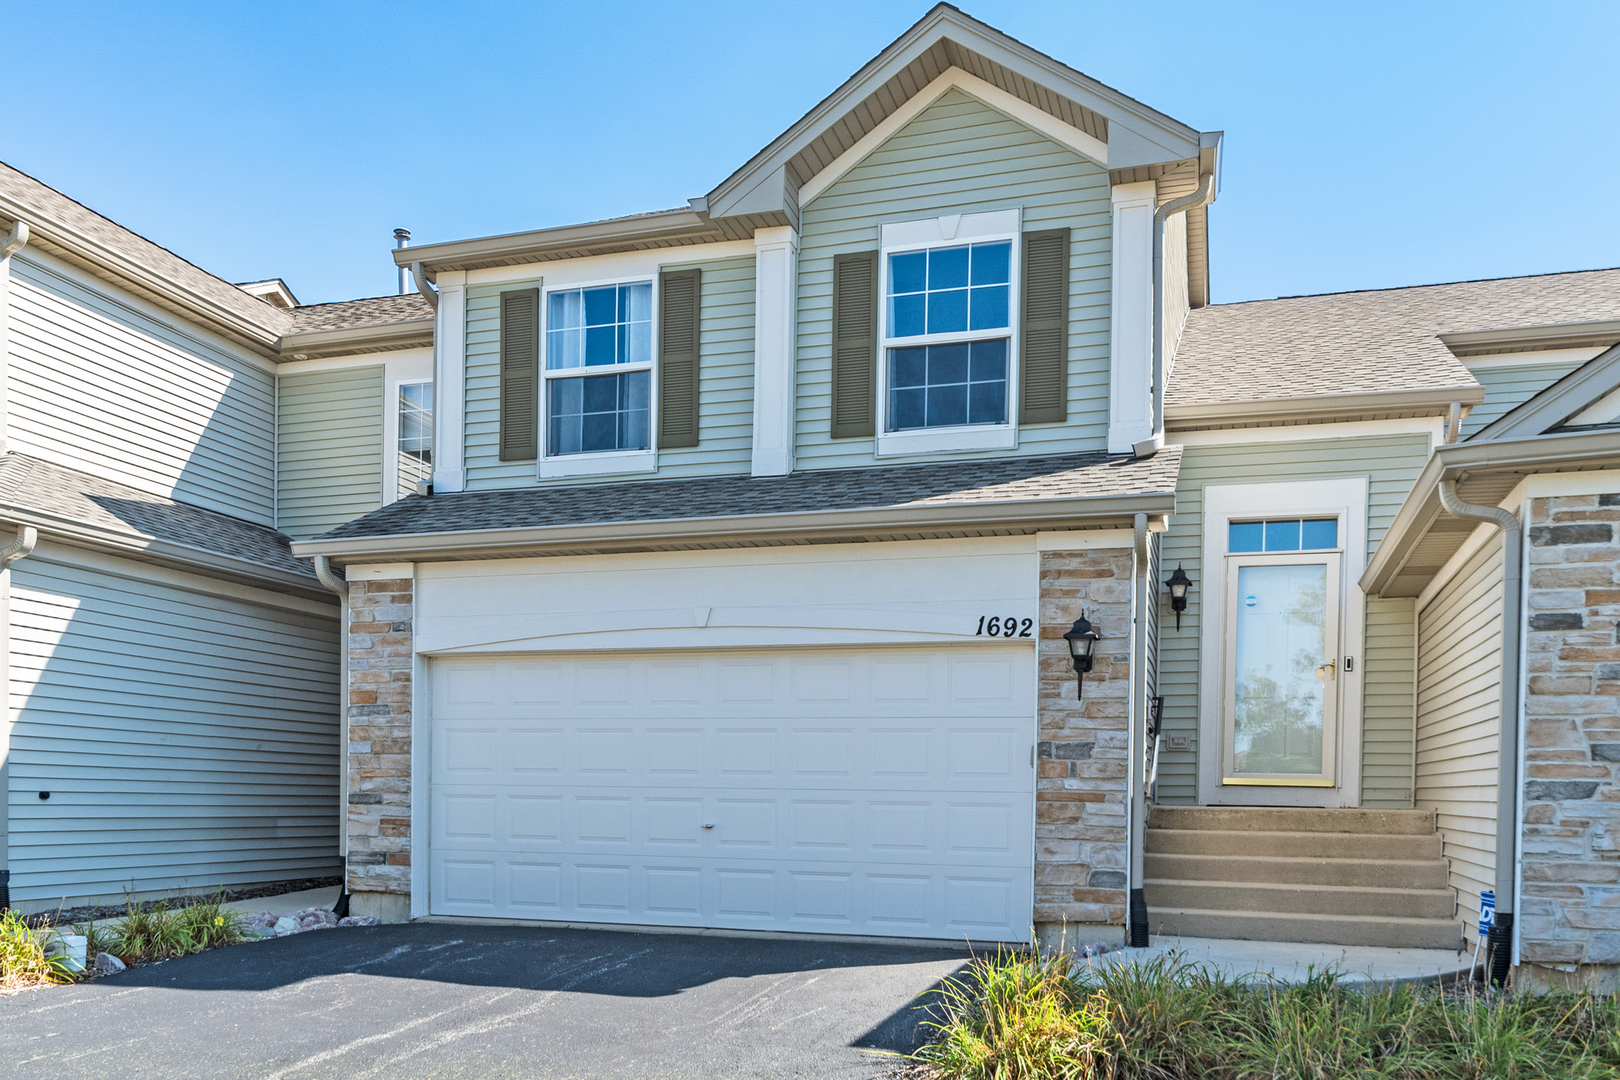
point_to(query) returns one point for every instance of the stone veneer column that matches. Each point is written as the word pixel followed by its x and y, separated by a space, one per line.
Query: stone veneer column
pixel 1082 776
pixel 379 751
pixel 1569 921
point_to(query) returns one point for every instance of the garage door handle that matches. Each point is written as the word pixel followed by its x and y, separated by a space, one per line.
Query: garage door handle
pixel 710 825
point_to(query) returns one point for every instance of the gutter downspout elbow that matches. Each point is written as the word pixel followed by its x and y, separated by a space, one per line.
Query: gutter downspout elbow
pixel 1203 196
pixel 1507 777
pixel 330 578
pixel 429 293
pixel 20 548
pixel 15 242
pixel 1136 742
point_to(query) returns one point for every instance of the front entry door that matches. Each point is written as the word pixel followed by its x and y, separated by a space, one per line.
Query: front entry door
pixel 1280 722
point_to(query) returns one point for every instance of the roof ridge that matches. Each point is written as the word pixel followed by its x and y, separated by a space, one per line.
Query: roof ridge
pixel 1404 288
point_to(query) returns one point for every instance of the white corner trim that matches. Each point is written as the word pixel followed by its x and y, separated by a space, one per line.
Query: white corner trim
pixel 1130 340
pixel 449 384
pixel 776 277
pixel 986 93
pixel 380 571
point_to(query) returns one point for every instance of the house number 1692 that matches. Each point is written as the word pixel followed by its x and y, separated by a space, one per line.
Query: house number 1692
pixel 996 626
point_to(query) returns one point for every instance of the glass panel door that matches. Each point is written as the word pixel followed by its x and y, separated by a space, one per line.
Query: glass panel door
pixel 1281 670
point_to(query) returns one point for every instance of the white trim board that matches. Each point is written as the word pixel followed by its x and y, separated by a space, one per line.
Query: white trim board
pixel 616 266
pixel 1432 426
pixel 987 94
pixel 1346 496
pixel 1526 359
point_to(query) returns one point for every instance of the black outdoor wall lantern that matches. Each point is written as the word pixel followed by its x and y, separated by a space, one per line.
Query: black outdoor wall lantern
pixel 1179 583
pixel 1082 638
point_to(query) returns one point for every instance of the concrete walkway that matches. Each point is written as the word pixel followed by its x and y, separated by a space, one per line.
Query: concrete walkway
pixel 1290 962
pixel 287 903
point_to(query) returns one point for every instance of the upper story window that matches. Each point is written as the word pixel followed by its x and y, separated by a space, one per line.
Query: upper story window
pixel 601 327
pixel 415 448
pixel 948 333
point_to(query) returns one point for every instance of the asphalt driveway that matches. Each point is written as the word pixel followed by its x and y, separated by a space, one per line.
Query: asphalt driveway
pixel 448 1001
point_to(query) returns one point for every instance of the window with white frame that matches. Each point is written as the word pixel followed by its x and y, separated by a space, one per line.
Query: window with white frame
pixel 605 329
pixel 415 439
pixel 948 330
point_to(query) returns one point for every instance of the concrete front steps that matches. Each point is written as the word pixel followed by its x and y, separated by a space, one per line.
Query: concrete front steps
pixel 1342 877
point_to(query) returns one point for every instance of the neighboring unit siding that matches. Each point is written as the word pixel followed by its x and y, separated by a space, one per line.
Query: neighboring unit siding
pixel 1506 388
pixel 1387 677
pixel 188 739
pixel 960 156
pixel 1392 464
pixel 725 382
pixel 1459 718
pixel 97 381
pixel 330 437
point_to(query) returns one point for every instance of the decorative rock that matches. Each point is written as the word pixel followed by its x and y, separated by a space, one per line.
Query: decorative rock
pixel 358 920
pixel 286 925
pixel 108 964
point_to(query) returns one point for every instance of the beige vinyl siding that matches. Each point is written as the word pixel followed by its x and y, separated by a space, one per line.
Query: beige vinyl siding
pixel 1388 671
pixel 1459 717
pixel 1391 463
pixel 97 382
pixel 1177 297
pixel 1506 388
pixel 330 436
pixel 960 156
pixel 725 383
pixel 189 739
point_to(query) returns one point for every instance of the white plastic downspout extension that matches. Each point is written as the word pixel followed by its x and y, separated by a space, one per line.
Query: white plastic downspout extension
pixel 1136 740
pixel 15 550
pixel 329 578
pixel 1507 775
pixel 1203 196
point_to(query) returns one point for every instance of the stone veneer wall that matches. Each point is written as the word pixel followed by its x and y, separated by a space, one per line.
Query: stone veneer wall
pixel 1081 810
pixel 379 752
pixel 1569 922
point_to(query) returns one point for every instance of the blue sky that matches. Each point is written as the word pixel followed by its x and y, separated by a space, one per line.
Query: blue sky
pixel 1368 144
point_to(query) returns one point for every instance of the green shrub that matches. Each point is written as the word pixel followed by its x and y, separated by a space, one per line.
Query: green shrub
pixel 23 962
pixel 157 932
pixel 1021 1016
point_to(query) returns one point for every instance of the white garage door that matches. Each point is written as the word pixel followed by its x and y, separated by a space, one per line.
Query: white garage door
pixel 886 792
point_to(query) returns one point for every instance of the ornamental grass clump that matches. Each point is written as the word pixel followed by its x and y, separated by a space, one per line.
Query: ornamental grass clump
pixel 158 932
pixel 23 959
pixel 1020 1016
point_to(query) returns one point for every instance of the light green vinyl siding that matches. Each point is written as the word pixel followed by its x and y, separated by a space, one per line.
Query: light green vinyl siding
pixel 1392 464
pixel 1386 704
pixel 330 436
pixel 960 156
pixel 725 383
pixel 1506 388
pixel 188 739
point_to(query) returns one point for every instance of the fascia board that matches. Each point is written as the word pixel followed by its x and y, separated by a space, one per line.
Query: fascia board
pixel 384 338
pixel 666 225
pixel 1560 401
pixel 54 236
pixel 1323 406
pixel 1156 137
pixel 164 552
pixel 1532 338
pixel 755 528
pixel 1455 461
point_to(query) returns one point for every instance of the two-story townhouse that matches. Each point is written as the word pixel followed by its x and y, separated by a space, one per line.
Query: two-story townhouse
pixel 173 671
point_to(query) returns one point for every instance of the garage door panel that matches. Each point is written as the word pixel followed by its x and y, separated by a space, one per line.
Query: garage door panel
pixel 884 793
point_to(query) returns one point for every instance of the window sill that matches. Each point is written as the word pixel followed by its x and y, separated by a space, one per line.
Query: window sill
pixel 941 440
pixel 602 463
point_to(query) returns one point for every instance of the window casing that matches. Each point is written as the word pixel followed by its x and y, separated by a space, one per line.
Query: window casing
pixel 597 395
pixel 948 333
pixel 414 447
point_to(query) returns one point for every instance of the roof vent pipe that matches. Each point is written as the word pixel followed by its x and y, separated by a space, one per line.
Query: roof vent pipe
pixel 402 239
pixel 1507 758
pixel 1203 196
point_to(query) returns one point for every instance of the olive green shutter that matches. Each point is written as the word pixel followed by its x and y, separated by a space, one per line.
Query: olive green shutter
pixel 1044 358
pixel 679 308
pixel 520 374
pixel 854 374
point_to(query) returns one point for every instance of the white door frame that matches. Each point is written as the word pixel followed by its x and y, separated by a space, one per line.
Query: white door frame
pixel 1346 499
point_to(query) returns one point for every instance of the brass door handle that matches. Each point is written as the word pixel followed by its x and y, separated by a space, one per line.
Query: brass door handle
pixel 1327 670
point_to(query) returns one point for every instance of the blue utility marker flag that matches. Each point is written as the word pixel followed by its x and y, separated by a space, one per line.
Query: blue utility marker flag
pixel 1487 910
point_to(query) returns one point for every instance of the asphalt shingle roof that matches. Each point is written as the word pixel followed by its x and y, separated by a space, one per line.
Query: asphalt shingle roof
pixel 1064 476
pixel 1365 342
pixel 371 311
pixel 29 484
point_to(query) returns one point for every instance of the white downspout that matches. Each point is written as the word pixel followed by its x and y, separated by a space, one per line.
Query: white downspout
pixel 1136 740
pixel 333 582
pixel 1203 196
pixel 17 549
pixel 1507 768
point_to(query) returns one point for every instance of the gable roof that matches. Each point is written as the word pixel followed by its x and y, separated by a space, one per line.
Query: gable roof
pixel 1304 351
pixel 991 495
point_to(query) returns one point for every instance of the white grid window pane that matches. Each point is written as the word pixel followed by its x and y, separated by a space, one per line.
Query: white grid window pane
pixel 601 326
pixel 415 444
pixel 599 412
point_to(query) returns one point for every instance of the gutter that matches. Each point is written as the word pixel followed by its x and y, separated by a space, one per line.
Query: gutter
pixel 514 247
pixel 388 337
pixel 1032 514
pixel 1203 196
pixel 1136 739
pixel 1507 759
pixel 1436 402
pixel 15 551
